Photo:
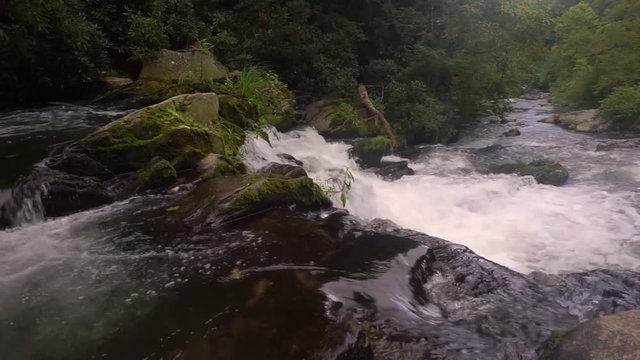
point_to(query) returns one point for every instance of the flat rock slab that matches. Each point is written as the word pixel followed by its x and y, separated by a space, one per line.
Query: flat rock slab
pixel 606 338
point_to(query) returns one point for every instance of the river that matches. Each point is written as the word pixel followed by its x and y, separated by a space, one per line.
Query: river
pixel 591 222
pixel 123 282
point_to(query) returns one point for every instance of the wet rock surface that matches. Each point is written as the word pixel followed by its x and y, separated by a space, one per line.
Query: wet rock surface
pixel 291 285
pixel 544 171
pixel 511 132
pixel 608 337
pixel 394 170
pixel 582 121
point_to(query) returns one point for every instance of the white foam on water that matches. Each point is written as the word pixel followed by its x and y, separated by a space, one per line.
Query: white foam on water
pixel 508 219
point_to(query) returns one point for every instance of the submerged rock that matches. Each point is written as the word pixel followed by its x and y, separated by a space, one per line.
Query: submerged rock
pixel 286 170
pixel 583 121
pixel 394 170
pixel 290 158
pixel 511 132
pixel 544 171
pixel 67 193
pixel 609 337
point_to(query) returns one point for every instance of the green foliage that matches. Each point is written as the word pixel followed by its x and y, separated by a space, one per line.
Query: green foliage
pixel 597 50
pixel 378 143
pixel 346 114
pixel 417 115
pixel 47 45
pixel 465 54
pixel 623 107
pixel 339 186
pixel 266 191
pixel 157 174
pixel 263 90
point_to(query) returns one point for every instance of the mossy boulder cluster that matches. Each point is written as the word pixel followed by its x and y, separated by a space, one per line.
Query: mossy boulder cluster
pixel 221 199
pixel 178 140
pixel 544 171
pixel 179 130
pixel 192 140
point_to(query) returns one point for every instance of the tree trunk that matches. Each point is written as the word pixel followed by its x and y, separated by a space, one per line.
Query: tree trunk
pixel 378 116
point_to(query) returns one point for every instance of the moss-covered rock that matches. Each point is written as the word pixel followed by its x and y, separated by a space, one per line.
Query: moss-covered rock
pixel 544 171
pixel 370 151
pixel 159 173
pixel 182 66
pixel 214 165
pixel 286 170
pixel 269 191
pixel 180 130
pixel 238 111
pixel 609 337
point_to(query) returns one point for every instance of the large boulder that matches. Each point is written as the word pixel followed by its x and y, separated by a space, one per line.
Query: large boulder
pixel 179 130
pixel 609 337
pixel 177 140
pixel 583 121
pixel 221 199
pixel 369 152
pixel 394 170
pixel 182 66
pixel 544 171
pixel 269 191
pixel 336 119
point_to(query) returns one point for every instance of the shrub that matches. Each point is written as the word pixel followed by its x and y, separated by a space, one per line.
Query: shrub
pixel 263 90
pixel 346 114
pixel 417 115
pixel 623 107
pixel 378 143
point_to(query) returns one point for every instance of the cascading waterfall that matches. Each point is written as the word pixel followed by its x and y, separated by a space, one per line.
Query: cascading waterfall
pixel 508 219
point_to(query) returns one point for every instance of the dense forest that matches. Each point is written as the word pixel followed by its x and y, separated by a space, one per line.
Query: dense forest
pixel 439 61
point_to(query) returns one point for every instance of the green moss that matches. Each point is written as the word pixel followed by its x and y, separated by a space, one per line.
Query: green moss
pixel 128 145
pixel 227 168
pixel 232 136
pixel 544 171
pixel 158 91
pixel 158 174
pixel 378 143
pixel 549 347
pixel 237 111
pixel 275 190
pixel 172 209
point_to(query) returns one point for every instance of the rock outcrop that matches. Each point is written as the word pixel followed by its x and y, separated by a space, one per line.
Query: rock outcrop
pixel 394 170
pixel 369 151
pixel 583 121
pixel 511 132
pixel 180 66
pixel 609 337
pixel 544 171
pixel 177 140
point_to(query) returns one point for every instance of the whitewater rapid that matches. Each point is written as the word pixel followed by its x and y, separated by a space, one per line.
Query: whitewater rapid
pixel 508 219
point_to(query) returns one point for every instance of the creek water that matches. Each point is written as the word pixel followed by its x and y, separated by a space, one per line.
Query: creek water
pixel 126 282
pixel 591 222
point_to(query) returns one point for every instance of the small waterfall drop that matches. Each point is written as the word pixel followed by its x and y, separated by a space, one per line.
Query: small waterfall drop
pixel 509 219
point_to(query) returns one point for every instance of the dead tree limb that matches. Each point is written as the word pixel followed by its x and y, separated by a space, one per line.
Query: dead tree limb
pixel 377 116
